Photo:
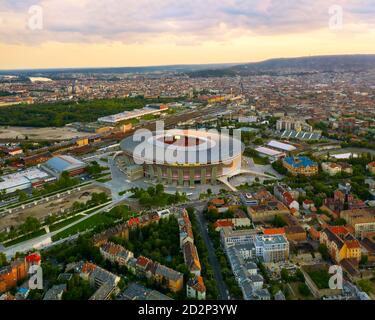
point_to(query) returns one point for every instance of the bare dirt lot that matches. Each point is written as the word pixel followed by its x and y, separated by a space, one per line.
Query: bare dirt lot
pixel 53 207
pixel 40 133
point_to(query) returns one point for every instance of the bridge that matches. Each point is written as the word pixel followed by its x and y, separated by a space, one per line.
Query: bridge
pixel 225 179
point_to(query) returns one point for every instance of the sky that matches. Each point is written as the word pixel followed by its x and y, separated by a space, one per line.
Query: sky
pixel 110 33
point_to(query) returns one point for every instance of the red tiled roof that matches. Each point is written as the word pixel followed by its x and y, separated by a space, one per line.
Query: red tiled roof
pixel 274 231
pixel 142 261
pixel 352 244
pixel 34 257
pixel 133 222
pixel 217 202
pixel 338 230
pixel 88 267
pixel 223 223
pixel 308 201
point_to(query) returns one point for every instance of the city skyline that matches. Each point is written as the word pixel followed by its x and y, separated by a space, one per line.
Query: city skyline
pixel 37 34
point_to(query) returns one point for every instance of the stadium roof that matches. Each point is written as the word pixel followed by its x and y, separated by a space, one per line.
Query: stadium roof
pixel 280 145
pixel 211 147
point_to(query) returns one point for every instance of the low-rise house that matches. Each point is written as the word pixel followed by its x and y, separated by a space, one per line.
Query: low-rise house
pixel 283 193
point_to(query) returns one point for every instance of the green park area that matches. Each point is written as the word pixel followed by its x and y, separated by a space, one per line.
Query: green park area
pixel 156 197
pixel 61 113
pixel 98 221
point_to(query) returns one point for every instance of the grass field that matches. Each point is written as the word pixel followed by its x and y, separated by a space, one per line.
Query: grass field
pixel 87 224
pixel 25 238
pixel 64 223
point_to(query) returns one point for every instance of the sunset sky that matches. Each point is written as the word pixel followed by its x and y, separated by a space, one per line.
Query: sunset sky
pixel 94 33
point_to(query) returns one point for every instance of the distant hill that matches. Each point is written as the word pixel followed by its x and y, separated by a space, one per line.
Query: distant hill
pixel 338 63
pixel 117 70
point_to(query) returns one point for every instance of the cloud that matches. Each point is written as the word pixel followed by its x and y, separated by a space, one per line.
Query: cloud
pixel 190 21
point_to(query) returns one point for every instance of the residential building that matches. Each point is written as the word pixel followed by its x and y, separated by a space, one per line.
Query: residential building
pixel 56 292
pixel 362 220
pixel 229 236
pixel 371 167
pixel 10 275
pixel 283 194
pixel 97 276
pixel 191 258
pixel 116 253
pixel 174 280
pixel 290 123
pixel 138 292
pixel 195 288
pixel 267 208
pixel 340 243
pixel 272 248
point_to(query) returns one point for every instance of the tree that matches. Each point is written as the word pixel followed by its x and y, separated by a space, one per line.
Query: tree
pixel 284 275
pixel 340 222
pixel 278 221
pixel 364 260
pixel 3 259
pixel 31 224
pixel 366 285
pixel 278 167
pixel 304 290
pixel 159 189
pixel 323 250
pixel 22 196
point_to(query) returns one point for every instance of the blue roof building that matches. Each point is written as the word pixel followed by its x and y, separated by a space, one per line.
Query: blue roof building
pixel 300 165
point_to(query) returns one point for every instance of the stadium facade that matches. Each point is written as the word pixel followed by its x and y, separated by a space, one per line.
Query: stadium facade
pixel 184 157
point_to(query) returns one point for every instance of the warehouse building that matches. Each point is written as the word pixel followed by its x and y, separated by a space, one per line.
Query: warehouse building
pixel 23 180
pixel 64 163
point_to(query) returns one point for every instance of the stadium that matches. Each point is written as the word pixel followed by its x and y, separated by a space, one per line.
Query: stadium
pixel 184 157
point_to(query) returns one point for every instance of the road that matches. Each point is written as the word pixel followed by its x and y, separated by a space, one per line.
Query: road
pixel 223 290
